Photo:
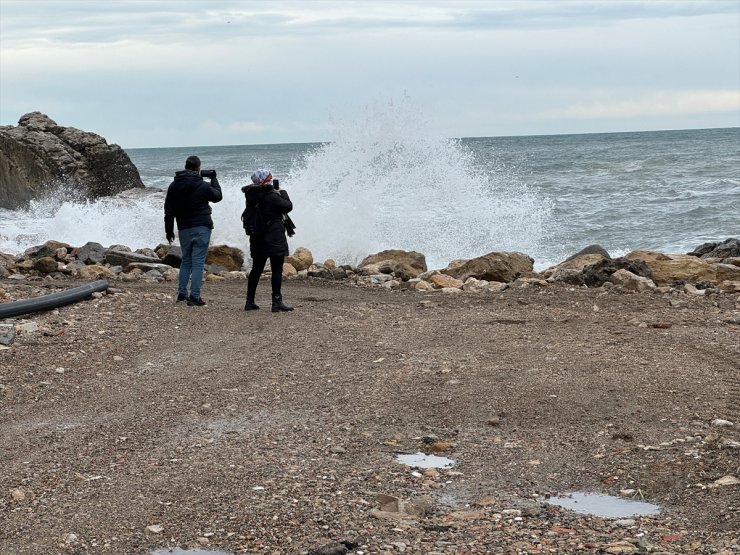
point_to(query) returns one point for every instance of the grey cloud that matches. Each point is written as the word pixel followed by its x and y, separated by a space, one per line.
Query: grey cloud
pixel 176 20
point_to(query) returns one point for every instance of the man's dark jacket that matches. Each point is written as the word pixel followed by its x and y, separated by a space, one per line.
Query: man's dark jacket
pixel 187 201
pixel 271 205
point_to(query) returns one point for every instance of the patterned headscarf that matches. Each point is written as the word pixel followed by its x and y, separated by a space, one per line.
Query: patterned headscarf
pixel 261 177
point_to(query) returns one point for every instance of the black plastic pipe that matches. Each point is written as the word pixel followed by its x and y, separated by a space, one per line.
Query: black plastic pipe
pixel 54 300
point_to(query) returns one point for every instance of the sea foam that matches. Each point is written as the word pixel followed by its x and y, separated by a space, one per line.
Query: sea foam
pixel 385 180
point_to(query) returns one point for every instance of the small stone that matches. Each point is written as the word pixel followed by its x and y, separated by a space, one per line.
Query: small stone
pixel 725 481
pixel 70 538
pixel 59 370
pixel 155 529
pixel 18 494
pixel 511 513
pixel 337 449
pixel 118 358
pixel 494 421
pixel 440 447
pixel 625 522
pixel 721 423
pixel 27 327
pixel 7 334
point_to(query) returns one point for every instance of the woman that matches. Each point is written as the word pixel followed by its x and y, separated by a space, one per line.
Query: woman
pixel 268 238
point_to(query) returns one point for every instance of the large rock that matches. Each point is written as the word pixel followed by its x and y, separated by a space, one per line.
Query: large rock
pixel 230 258
pixel 597 274
pixel 494 266
pixel 632 282
pixel 46 265
pixel 301 259
pixel 728 248
pixel 38 155
pixel 147 267
pixel 172 257
pixel 121 258
pixel 7 261
pixel 403 264
pixel 92 253
pixel 598 250
pixel 666 269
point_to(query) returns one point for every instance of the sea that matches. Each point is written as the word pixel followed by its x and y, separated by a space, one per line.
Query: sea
pixel 391 182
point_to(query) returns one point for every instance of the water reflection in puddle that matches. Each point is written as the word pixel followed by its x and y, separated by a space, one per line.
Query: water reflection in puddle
pixel 421 460
pixel 178 551
pixel 605 506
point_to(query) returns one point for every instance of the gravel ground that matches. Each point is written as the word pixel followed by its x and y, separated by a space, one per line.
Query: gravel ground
pixel 129 423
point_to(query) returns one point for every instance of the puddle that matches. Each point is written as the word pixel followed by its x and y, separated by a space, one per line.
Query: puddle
pixel 178 551
pixel 420 460
pixel 605 506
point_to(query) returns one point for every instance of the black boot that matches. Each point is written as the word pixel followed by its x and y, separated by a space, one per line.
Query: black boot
pixel 250 304
pixel 278 306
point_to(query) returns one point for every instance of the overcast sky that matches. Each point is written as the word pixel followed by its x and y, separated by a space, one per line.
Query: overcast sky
pixel 190 73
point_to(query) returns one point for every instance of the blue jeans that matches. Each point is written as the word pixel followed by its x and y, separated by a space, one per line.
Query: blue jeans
pixel 194 244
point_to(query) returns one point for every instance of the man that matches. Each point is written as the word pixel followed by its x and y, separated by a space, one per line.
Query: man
pixel 187 201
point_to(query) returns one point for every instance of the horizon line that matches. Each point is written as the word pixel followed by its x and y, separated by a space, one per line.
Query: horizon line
pixel 449 138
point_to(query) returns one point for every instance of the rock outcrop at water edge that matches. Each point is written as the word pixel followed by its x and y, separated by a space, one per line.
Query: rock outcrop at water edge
pixel 38 155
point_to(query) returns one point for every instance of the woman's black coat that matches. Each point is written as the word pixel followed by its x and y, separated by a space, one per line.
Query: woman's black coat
pixel 271 204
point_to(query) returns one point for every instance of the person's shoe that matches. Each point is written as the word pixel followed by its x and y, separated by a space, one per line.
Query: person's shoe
pixel 251 305
pixel 193 301
pixel 181 298
pixel 278 305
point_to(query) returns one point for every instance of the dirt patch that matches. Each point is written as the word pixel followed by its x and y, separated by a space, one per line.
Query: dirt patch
pixel 144 424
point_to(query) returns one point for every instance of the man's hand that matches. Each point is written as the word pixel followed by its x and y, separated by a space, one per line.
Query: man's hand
pixel 170 237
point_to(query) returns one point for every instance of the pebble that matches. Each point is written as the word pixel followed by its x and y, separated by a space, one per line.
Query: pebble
pixel 721 423
pixel 18 494
pixel 625 522
pixel 59 370
pixel 155 529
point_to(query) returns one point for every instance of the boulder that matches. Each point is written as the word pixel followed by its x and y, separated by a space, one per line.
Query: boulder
pixel 146 252
pixel 631 282
pixel 147 267
pixel 301 259
pixel 120 248
pixel 46 265
pixel 666 269
pixel 473 285
pixel 7 261
pixel 92 253
pixel 597 274
pixel 121 258
pixel 730 286
pixel 585 257
pixel 727 272
pixel 172 256
pixel 216 269
pixel 494 266
pixel 289 270
pixel 162 249
pixel 38 155
pixel 230 258
pixel 94 271
pixel 444 281
pixel 402 264
pixel 39 251
pixel 726 249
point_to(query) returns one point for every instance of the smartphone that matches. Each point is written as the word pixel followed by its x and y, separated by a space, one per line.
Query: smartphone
pixel 276 183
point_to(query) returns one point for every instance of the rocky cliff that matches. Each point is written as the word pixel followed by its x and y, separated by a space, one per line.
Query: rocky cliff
pixel 38 155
